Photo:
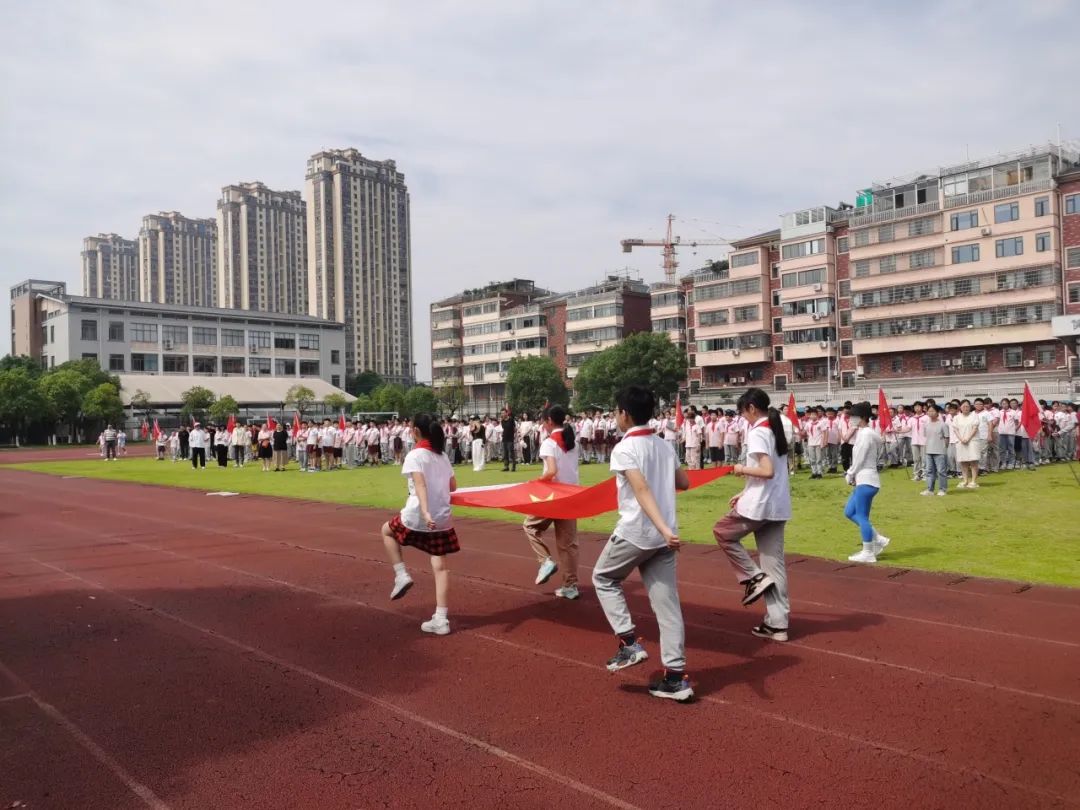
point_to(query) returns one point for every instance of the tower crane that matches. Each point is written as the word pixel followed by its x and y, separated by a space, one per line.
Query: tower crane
pixel 669 243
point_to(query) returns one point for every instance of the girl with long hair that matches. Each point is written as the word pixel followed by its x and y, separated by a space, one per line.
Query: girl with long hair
pixel 864 476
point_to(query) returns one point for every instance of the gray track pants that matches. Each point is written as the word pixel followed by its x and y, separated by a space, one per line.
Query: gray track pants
pixel 769 537
pixel 657 565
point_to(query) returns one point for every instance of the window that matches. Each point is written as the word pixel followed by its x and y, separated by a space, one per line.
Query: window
pixel 1074 293
pixel 886 233
pixel 779 382
pixel 847 379
pixel 232 337
pixel 777 325
pixel 1072 204
pixel 1042 242
pixel 776 298
pixel 897 365
pixel 887 264
pixel 147 363
pixel 862 238
pixel 964 220
pixel 845 348
pixel 1013 246
pixel 818 334
pixel 89 356
pixel 873 366
pixel 284 340
pixel 1007 212
pixel 922 227
pixel 116 362
pixel 52 336
pixel 845 317
pixel 714 318
pixel 1014 356
pixel 1072 257
pixel 89 330
pixel 727 344
pixel 813 306
pixel 845 289
pixel 259 366
pixel 309 368
pixel 174 335
pixel 232 365
pixel 1042 206
pixel 204 365
pixel 728 289
pixel 116 330
pixel 921 258
pixel 284 367
pixel 778 353
pixel 862 268
pixel 311 342
pixel 174 363
pixel 743 314
pixel 335 380
pixel 143 333
pixel 974 359
pixel 803 277
pixel 259 339
pixel 744 259
pixel 774 272
pixel 204 335
pixel 931 361
pixel 965 253
pixel 335 356
pixel 1046 355
pixel 800 249
pixel 842 245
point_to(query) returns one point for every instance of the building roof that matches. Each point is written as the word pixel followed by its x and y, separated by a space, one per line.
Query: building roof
pixel 757 239
pixel 218 312
pixel 167 389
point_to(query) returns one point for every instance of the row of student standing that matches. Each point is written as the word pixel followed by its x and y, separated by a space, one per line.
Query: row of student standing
pixel 645 537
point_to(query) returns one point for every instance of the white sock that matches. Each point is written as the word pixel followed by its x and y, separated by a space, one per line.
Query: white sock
pixel 399 569
pixel 440 612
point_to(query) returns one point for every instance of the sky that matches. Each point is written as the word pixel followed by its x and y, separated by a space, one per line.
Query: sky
pixel 533 135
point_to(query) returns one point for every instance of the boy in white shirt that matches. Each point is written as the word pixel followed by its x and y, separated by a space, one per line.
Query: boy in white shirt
pixel 646 539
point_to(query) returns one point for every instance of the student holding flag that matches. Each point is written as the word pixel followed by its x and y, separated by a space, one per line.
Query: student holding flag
pixel 160 441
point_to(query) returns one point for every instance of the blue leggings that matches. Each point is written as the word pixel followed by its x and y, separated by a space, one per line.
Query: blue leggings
pixel 858 510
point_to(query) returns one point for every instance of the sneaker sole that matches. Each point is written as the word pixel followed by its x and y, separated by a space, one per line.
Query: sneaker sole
pixel 682 696
pixel 398 594
pixel 749 600
pixel 542 580
pixel 770 636
pixel 636 659
pixel 442 631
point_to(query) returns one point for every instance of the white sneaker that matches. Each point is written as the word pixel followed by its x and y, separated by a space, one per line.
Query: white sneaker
pixel 402 583
pixel 864 556
pixel 436 626
pixel 880 543
pixel 567 592
pixel 941 494
pixel 547 568
pixel 926 492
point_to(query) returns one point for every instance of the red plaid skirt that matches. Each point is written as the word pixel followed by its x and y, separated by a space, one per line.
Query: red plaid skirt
pixel 437 543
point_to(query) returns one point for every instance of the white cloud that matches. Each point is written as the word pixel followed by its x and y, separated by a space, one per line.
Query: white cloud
pixel 533 136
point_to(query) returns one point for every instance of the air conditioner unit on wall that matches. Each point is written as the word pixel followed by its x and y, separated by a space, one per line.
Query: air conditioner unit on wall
pixel 986 232
pixel 816 316
pixel 1029 364
pixel 817 288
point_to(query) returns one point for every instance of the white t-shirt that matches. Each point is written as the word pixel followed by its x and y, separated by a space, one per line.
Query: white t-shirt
pixel 566 463
pixel 984 418
pixel 437 472
pixel 765 498
pixel 657 462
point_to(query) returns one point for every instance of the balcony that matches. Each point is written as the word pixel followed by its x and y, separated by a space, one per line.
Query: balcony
pixel 947 339
pixel 732 357
pixel 1003 193
pixel 871 215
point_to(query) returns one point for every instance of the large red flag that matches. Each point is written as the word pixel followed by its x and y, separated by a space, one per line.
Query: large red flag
pixel 230 426
pixel 560 501
pixel 342 424
pixel 884 415
pixel 1030 415
pixel 270 423
pixel 295 424
pixel 791 407
pixel 678 412
pixel 157 430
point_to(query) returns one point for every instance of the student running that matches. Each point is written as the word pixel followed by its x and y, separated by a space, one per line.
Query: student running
pixel 863 475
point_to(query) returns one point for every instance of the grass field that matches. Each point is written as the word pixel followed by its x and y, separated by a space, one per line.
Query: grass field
pixel 1018 525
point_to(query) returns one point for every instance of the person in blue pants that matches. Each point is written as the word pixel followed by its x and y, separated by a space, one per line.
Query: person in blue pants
pixel 864 476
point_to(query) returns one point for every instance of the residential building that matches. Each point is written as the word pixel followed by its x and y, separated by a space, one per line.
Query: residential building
pixel 475 335
pixel 600 316
pixel 110 267
pixel 132 337
pixel 262 249
pixel 1069 211
pixel 359 264
pixel 178 260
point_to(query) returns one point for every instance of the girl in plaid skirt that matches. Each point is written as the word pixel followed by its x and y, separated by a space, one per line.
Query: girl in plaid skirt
pixel 425 522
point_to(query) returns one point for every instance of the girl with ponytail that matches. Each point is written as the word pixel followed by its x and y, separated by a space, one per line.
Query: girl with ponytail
pixel 762 508
pixel 559 454
pixel 425 522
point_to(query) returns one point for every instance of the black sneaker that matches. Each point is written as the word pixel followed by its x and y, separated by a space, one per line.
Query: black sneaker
pixel 764 631
pixel 627 656
pixel 756 587
pixel 677 689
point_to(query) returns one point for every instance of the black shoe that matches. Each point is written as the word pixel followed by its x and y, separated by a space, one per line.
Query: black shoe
pixel 677 688
pixel 756 587
pixel 764 631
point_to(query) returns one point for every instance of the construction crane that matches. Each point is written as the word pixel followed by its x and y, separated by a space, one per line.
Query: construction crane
pixel 669 243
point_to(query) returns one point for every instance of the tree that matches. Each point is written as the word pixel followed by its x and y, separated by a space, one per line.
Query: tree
pixel 532 381
pixel 300 398
pixel 29 364
pixel 363 383
pixel 451 398
pixel 419 399
pixel 21 400
pixel 141 404
pixel 63 395
pixel 390 397
pixel 335 403
pixel 103 404
pixel 196 402
pixel 364 404
pixel 223 408
pixel 646 358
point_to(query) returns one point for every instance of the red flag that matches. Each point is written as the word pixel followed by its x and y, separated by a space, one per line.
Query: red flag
pixel 157 430
pixel 270 423
pixel 884 415
pixel 678 412
pixel 1030 415
pixel 560 501
pixel 295 424
pixel 791 407
pixel 230 426
pixel 342 424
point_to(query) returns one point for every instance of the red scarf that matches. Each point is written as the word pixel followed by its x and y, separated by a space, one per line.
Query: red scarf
pixel 639 431
pixel 557 437
pixel 424 444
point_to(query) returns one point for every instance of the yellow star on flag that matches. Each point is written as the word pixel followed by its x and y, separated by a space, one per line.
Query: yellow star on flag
pixel 534 499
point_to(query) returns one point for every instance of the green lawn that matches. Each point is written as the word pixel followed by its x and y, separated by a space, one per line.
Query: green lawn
pixel 1018 525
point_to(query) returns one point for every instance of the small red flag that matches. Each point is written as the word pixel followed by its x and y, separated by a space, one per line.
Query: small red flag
pixel 1030 415
pixel 295 424
pixel 884 415
pixel 270 423
pixel 157 430
pixel 230 426
pixel 678 412
pixel 791 406
pixel 342 424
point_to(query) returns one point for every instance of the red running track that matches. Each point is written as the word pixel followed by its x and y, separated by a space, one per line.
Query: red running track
pixel 164 648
